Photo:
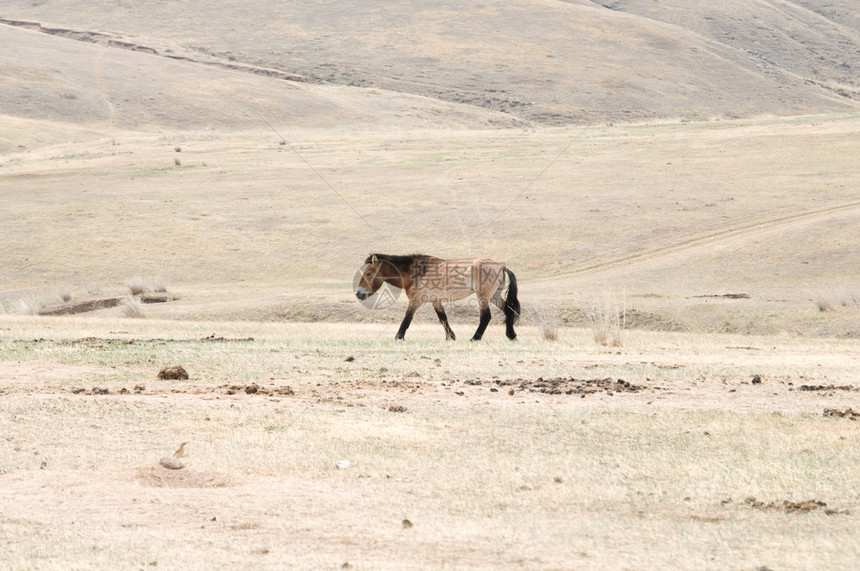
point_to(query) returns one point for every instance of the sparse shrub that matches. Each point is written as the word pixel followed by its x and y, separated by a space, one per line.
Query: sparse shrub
pixel 132 306
pixel 93 289
pixel 545 319
pixel 158 285
pixel 28 305
pixel 608 320
pixel 177 162
pixel 137 285
pixel 66 295
pixel 832 300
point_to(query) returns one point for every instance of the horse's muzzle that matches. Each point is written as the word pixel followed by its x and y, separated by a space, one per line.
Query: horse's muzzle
pixel 361 294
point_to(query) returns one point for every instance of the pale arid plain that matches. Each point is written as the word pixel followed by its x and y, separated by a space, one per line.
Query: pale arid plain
pixel 676 186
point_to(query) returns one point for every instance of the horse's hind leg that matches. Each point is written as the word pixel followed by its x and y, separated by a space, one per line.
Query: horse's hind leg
pixel 500 302
pixel 443 318
pixel 485 319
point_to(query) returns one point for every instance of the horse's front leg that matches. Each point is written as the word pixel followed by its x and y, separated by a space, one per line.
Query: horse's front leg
pixel 414 304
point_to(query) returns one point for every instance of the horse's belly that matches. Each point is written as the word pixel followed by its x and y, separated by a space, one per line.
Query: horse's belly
pixel 457 294
pixel 448 294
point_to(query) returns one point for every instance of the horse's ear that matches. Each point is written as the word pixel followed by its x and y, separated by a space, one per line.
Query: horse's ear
pixel 374 260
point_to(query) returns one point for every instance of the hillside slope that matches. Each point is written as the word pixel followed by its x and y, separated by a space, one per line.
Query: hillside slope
pixel 56 89
pixel 546 61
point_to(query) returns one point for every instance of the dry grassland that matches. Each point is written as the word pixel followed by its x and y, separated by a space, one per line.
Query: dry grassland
pixel 680 181
pixel 670 216
pixel 491 466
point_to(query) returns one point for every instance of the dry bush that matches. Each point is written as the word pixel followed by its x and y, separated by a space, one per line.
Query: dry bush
pixel 132 307
pixel 545 319
pixel 833 299
pixel 137 285
pixel 158 285
pixel 608 320
pixel 93 289
pixel 27 305
pixel 66 295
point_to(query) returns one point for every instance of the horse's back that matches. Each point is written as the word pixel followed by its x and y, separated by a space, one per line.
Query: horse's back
pixel 453 279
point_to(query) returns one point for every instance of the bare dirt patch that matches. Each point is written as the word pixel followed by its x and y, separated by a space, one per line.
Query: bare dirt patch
pixel 160 477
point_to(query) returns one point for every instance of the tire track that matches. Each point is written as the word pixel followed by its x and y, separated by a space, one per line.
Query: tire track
pixel 97 63
pixel 730 237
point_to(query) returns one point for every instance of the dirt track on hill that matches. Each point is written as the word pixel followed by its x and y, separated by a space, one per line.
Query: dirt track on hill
pixel 731 237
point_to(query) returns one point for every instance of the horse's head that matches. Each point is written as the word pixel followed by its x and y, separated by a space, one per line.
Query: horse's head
pixel 372 278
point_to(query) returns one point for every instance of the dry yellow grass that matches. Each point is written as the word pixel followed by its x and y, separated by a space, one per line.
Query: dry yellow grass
pixel 675 215
pixel 488 479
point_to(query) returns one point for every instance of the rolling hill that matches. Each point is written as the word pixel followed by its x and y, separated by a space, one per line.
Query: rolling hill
pixel 546 62
pixel 252 154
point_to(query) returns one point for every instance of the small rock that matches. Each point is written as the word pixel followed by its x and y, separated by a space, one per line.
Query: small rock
pixel 171 463
pixel 344 464
pixel 406 524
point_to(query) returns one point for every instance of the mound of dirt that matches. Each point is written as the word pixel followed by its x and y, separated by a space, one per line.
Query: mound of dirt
pixel 790 507
pixel 80 306
pixel 158 477
pixel 93 391
pixel 255 389
pixel 173 372
pixel 573 386
pixel 828 388
pixel 848 413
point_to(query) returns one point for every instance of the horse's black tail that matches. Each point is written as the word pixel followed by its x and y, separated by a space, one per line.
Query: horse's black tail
pixel 512 305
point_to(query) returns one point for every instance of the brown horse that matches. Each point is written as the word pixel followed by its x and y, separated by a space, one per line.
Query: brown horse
pixel 429 279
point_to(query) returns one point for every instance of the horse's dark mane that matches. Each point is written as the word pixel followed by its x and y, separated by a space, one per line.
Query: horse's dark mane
pixel 402 263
